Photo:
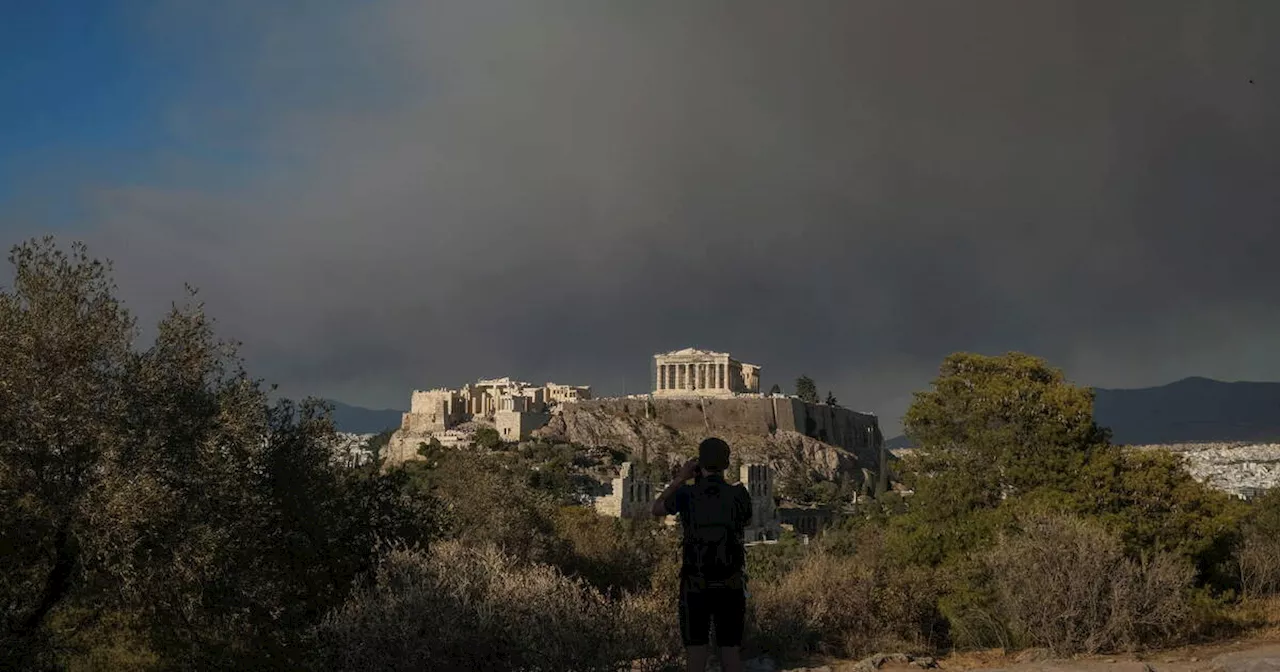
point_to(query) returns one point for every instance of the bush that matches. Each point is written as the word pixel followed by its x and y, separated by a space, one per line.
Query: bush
pixel 1067 586
pixel 487 503
pixel 770 562
pixel 486 437
pixel 845 605
pixel 456 607
pixel 1258 559
pixel 612 555
pixel 1258 554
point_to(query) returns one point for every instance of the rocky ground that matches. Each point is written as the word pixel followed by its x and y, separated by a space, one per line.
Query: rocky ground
pixel 1259 655
pixel 789 454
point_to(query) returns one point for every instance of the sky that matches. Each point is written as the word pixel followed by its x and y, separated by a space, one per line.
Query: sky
pixel 381 195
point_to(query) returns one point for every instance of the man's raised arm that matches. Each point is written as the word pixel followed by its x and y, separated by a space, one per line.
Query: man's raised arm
pixel 687 471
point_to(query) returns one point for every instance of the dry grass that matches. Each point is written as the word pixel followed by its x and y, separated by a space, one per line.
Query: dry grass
pixel 461 608
pixel 1066 586
pixel 1258 559
pixel 845 606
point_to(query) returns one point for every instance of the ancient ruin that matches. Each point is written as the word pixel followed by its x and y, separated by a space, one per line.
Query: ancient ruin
pixel 765 522
pixel 514 407
pixel 692 372
pixel 807 520
pixel 442 409
pixel 632 496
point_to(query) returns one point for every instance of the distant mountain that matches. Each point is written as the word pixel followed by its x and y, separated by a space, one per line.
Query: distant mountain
pixel 898 442
pixel 1191 410
pixel 357 420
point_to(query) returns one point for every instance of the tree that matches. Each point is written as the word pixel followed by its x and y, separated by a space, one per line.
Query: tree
pixel 775 389
pixel 430 450
pixel 1013 414
pixel 487 437
pixel 156 496
pixel 806 390
pixel 1004 436
pixel 831 399
pixel 375 445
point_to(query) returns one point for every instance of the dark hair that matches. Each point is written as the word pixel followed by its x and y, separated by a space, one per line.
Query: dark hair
pixel 713 454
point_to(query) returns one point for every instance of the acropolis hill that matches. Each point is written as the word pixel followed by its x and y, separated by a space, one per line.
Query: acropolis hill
pixel 694 394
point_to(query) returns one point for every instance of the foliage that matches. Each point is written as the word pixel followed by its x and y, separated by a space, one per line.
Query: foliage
pixel 1005 435
pixel 612 555
pixel 157 511
pixel 156 497
pixel 1011 423
pixel 770 562
pixel 806 390
pixel 846 606
pixel 831 399
pixel 1258 554
pixel 462 608
pixel 430 450
pixel 1067 586
pixel 486 437
pixel 375 445
pixel 1151 502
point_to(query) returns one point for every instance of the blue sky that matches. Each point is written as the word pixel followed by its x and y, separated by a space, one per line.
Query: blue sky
pixel 93 93
pixel 78 94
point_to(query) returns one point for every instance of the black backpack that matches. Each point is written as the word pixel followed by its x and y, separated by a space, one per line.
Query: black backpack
pixel 713 549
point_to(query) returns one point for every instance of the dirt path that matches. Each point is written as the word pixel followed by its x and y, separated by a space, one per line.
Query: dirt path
pixel 1241 656
pixel 1253 657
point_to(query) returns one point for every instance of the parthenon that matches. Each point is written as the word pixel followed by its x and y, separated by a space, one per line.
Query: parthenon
pixel 692 372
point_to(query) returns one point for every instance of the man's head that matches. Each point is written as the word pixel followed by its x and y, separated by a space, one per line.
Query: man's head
pixel 713 456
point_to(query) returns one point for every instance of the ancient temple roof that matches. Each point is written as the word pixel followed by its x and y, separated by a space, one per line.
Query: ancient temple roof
pixel 693 352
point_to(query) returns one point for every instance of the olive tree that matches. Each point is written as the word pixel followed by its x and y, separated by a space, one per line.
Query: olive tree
pixel 155 495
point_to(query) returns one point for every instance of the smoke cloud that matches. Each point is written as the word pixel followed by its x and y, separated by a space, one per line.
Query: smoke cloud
pixel 392 195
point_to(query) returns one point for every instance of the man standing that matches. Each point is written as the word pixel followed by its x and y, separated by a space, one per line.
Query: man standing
pixel 713 514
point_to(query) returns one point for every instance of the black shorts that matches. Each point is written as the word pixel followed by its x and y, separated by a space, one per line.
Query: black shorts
pixel 700 607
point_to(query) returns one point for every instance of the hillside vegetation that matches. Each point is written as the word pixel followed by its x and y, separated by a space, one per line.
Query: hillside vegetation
pixel 158 512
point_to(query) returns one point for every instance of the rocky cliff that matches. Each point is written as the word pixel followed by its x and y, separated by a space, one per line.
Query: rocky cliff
pixel 671 430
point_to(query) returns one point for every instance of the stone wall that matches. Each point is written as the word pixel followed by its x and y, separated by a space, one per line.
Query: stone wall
pixel 806 520
pixel 518 425
pixel 765 523
pixel 758 416
pixel 630 496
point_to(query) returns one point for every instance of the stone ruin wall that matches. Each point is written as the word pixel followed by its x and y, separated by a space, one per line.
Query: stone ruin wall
pixel 631 496
pixel 758 416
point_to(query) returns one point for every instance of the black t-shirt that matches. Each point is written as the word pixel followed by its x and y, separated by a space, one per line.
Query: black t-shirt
pixel 678 504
